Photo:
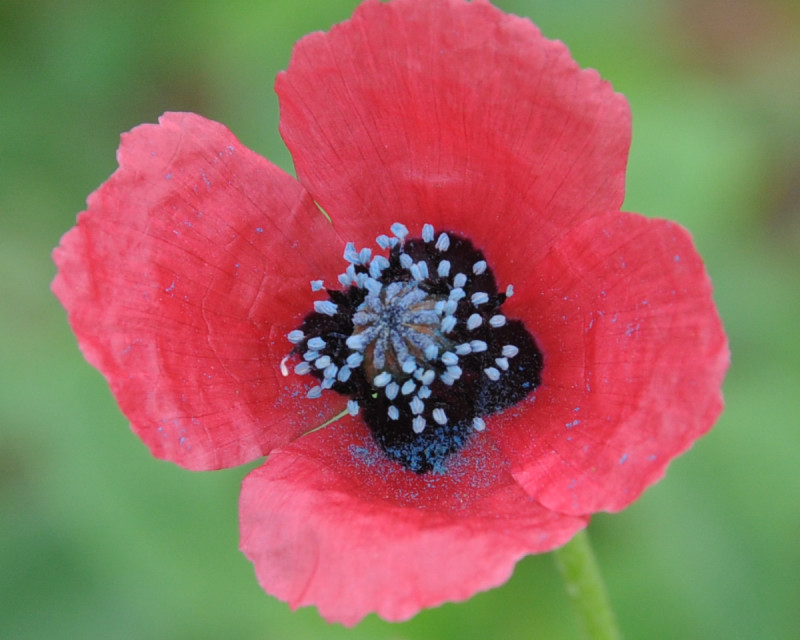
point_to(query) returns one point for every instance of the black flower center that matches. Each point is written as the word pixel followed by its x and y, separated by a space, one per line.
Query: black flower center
pixel 418 341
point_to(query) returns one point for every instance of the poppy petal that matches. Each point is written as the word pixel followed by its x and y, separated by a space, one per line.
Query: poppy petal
pixel 330 521
pixel 182 279
pixel 634 357
pixel 455 114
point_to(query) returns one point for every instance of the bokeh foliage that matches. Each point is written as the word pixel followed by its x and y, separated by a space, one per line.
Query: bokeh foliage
pixel 97 539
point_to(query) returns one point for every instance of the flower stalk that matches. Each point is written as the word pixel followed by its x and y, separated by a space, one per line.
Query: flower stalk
pixel 586 589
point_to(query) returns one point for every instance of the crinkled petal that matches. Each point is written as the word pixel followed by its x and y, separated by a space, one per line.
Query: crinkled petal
pixel 634 357
pixel 452 113
pixel 329 521
pixel 182 279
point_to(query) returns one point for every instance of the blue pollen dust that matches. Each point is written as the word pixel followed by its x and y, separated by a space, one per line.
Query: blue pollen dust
pixel 417 340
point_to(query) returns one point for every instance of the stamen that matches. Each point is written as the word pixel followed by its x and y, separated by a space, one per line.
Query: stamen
pixel 406 261
pixel 457 294
pixel 427 232
pixel 364 255
pixel 350 253
pixel 399 229
pixel 509 350
pixel 459 280
pixel 479 297
pixel 479 267
pixel 344 374
pixel 509 291
pixel 316 343
pixel 492 373
pixel 478 424
pixel 478 346
pixel 352 407
pixel 326 307
pixel 417 406
pixel 394 414
pixel 443 270
pixel 473 322
pixel 314 392
pixel 317 285
pixel 356 343
pixel 497 321
pixel 448 324
pixel 408 387
pixel 502 363
pixel 443 242
pixel 302 368
pixel 391 390
pixel 354 359
pixel 418 425
pixel 383 241
pixel 424 392
pixel 428 377
pixel 431 351
pixel 310 355
pixel 382 379
pixel 440 416
pixel 322 362
pixel 295 336
pixel 449 358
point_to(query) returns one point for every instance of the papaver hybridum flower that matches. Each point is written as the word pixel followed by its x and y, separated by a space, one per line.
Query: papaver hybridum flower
pixel 449 286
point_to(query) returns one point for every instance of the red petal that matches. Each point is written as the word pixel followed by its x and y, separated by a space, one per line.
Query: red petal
pixel 456 114
pixel 181 281
pixel 329 521
pixel 634 357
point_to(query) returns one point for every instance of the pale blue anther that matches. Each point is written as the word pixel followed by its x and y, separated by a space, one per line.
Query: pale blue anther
pixel 423 268
pixel 345 280
pixel 439 307
pixel 457 294
pixel 509 291
pixel 361 279
pixel 431 351
pixel 479 267
pixel 296 336
pixel 502 363
pixel 352 407
pixel 316 343
pixel 322 362
pixel 474 321
pixel 382 379
pixel 399 230
pixel 317 285
pixel 302 368
pixel 408 387
pixel 314 392
pixel 497 321
pixel 356 343
pixel 393 413
pixel 409 365
pixel 450 307
pixel 443 270
pixel 448 324
pixel 344 374
pixel 427 232
pixel 330 371
pixel 354 359
pixel 392 389
pixel 325 307
pixel 447 378
pixel 310 355
pixel 373 286
pixel 443 242
pixel 327 383
pixel 350 253
pixel 455 371
pixel 406 261
pixel 428 377
pixel 478 346
pixel 364 255
pixel 418 424
pixel 479 297
pixel 492 373
pixel 459 280
pixel 463 349
pixel 478 424
pixel 377 265
pixel 424 393
pixel 509 350
pixel 440 416
pixel 416 272
pixel 383 241
pixel 416 405
pixel 449 358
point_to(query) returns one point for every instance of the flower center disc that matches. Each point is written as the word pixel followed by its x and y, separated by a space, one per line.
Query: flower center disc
pixel 406 327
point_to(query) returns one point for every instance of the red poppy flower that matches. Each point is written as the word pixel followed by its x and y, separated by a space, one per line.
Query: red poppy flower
pixel 466 426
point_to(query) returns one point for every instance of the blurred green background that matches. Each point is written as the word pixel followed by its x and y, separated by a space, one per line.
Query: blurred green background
pixel 99 540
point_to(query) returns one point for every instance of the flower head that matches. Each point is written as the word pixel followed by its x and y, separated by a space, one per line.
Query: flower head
pixel 495 350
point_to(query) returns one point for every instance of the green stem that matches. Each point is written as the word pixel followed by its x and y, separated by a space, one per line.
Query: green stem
pixel 584 584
